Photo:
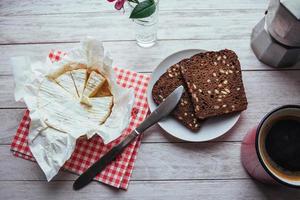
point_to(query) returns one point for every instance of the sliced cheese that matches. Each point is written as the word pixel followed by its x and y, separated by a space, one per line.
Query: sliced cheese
pixel 54 105
pixel 94 82
pixel 49 91
pixel 59 110
pixel 79 77
pixel 100 109
pixel 68 67
pixel 66 81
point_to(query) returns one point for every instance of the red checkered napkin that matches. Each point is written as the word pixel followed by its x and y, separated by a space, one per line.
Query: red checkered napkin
pixel 118 173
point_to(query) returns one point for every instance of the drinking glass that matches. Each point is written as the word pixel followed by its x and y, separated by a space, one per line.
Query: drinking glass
pixel 146 28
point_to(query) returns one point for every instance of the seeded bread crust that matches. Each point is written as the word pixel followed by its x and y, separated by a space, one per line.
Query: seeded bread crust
pixel 214 82
pixel 184 111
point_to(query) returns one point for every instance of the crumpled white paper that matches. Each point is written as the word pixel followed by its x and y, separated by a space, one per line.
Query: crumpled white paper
pixel 51 147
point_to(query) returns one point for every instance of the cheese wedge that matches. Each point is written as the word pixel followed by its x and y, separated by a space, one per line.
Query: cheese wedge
pixel 66 81
pixel 79 77
pixel 100 109
pixel 50 91
pixel 68 67
pixel 94 82
pixel 55 106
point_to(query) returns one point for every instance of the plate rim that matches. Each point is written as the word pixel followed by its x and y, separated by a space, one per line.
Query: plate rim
pixel 149 96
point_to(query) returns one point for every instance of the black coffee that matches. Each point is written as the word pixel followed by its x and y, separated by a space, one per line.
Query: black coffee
pixel 283 143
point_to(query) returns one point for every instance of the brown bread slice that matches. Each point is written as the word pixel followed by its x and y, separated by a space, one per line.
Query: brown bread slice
pixel 168 82
pixel 214 82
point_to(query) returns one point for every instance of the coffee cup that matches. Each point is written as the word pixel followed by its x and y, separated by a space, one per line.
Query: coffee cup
pixel 270 152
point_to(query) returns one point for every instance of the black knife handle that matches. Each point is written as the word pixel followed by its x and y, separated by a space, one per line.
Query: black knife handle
pixel 100 165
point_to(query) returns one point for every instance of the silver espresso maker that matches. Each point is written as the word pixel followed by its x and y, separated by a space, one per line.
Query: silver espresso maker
pixel 275 40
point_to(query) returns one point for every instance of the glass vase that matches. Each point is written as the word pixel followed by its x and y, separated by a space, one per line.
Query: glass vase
pixel 146 28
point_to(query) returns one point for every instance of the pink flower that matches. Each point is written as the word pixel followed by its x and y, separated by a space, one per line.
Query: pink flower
pixel 119 4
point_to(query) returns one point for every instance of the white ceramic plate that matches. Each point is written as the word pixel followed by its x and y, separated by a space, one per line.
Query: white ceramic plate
pixel 211 128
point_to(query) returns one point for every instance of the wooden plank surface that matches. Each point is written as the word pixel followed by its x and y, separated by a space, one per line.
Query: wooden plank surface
pixel 275 85
pixel 166 168
pixel 32 7
pixel 140 60
pixel 12 118
pixel 188 190
pixel 265 90
pixel 198 24
pixel 178 161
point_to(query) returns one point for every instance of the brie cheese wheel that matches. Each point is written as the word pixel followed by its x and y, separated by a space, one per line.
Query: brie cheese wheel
pixel 79 78
pixel 59 109
pixel 66 81
pixel 50 91
pixel 56 107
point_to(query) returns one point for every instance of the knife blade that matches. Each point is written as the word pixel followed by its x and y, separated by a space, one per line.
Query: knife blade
pixel 164 109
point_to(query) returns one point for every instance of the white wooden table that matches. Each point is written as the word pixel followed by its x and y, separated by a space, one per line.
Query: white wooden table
pixel 166 168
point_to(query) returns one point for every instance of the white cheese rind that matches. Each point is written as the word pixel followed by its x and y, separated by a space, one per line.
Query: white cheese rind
pixel 61 111
pixel 55 106
pixel 66 81
pixel 79 77
pixel 100 109
pixel 94 82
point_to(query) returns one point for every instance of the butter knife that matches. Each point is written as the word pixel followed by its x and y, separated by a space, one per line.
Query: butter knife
pixel 164 109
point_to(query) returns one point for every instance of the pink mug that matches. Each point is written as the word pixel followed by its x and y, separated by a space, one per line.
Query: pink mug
pixel 254 156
